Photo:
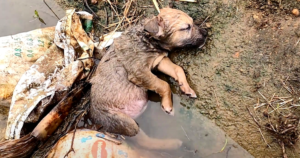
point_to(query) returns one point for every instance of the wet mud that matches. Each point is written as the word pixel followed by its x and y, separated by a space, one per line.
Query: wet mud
pixel 253 47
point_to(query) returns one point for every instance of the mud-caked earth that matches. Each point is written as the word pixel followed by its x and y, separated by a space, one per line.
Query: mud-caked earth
pixel 251 57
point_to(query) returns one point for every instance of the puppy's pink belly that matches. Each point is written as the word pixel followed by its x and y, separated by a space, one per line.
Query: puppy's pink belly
pixel 135 108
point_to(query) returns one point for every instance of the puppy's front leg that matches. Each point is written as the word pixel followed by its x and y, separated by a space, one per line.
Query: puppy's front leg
pixel 168 67
pixel 149 81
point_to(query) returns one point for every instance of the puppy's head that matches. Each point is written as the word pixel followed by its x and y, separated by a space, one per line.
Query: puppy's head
pixel 175 29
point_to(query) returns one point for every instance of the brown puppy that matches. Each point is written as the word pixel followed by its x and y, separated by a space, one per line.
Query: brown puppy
pixel 123 76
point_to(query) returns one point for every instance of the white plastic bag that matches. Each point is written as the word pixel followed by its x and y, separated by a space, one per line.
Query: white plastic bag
pixel 54 72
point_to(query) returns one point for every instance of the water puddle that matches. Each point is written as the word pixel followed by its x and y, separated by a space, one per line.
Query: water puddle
pixel 18 16
pixel 200 136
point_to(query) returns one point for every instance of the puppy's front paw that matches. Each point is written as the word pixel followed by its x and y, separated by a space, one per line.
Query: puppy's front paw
pixel 169 111
pixel 167 105
pixel 188 90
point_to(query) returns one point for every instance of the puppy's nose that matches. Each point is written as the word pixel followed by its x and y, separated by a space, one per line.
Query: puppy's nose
pixel 203 32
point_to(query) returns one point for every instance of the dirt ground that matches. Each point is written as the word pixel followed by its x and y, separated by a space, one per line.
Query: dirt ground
pixel 253 47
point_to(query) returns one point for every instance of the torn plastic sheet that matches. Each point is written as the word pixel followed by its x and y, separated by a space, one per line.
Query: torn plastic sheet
pixel 55 72
pixel 107 39
pixel 89 143
pixel 18 53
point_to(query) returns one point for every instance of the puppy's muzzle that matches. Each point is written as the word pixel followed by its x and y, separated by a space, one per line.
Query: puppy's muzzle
pixel 202 38
pixel 198 38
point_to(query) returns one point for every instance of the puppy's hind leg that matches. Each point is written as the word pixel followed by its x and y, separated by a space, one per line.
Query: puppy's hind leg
pixel 151 82
pixel 118 123
pixel 156 144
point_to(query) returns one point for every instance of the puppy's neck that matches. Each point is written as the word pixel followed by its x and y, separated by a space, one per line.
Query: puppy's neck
pixel 159 44
pixel 138 33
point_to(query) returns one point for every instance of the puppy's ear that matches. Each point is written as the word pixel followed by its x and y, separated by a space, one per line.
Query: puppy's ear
pixel 155 27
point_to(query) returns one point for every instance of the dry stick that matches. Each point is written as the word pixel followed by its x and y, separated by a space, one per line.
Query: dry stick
pixel 114 30
pixel 262 104
pixel 87 5
pixel 54 118
pixel 263 96
pixel 255 110
pixel 259 126
pixel 286 130
pixel 264 137
pixel 126 10
pixel 156 5
pixel 106 18
pixel 282 104
pixel 119 23
pixel 271 124
pixel 297 42
pixel 51 9
pixel 281 97
pixel 113 9
pixel 204 21
pixel 185 133
pixel 135 21
pixel 72 149
pixel 253 117
pixel 282 86
pixel 283 149
pixel 286 87
pixel 269 103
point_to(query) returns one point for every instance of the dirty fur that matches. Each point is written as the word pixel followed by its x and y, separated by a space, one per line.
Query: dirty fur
pixel 141 55
pixel 123 76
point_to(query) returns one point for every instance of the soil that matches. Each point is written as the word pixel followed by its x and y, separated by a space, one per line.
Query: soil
pixel 253 47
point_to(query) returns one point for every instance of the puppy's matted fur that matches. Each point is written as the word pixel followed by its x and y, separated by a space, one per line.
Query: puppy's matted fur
pixel 123 76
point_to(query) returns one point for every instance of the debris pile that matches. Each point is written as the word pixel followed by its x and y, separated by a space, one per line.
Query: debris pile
pixel 279 117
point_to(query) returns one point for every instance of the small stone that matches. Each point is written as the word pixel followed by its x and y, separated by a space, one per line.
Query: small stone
pixel 266 114
pixel 208 25
pixel 94 1
pixel 257 19
pixel 295 12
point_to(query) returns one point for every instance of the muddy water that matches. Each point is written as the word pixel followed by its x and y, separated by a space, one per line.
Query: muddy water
pixel 16 17
pixel 200 136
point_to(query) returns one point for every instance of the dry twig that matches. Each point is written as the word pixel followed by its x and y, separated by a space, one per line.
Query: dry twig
pixel 253 117
pixel 185 133
pixel 263 138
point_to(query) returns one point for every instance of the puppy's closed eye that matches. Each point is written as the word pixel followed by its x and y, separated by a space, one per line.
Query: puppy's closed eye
pixel 188 27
